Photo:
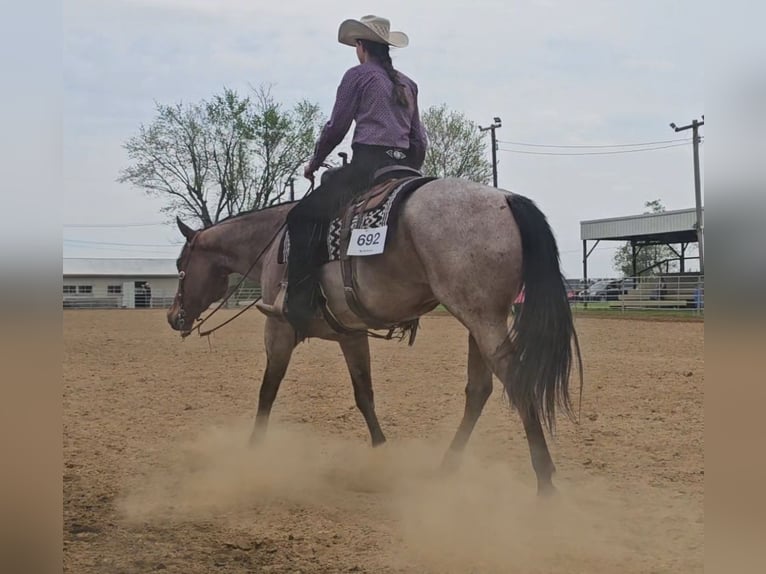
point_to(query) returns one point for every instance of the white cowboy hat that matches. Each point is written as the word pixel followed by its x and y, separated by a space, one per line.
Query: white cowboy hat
pixel 372 28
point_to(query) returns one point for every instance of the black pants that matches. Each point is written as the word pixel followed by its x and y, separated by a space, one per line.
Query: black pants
pixel 308 221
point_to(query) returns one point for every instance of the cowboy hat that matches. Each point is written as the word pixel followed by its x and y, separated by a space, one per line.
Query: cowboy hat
pixel 372 28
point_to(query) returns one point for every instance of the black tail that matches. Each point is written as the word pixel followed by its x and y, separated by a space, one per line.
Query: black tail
pixel 543 332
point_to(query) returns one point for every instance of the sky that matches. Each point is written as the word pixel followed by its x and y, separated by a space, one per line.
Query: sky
pixel 556 72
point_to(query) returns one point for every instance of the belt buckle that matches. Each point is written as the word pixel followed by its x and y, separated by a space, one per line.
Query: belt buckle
pixel 396 154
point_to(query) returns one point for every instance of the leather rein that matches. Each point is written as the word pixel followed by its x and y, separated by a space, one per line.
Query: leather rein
pixel 202 321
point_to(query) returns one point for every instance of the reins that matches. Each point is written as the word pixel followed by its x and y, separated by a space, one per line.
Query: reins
pixel 231 292
pixel 234 290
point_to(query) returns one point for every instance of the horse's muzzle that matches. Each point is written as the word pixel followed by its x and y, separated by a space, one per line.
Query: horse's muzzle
pixel 177 320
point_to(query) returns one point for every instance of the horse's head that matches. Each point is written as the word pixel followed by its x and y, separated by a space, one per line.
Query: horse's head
pixel 202 279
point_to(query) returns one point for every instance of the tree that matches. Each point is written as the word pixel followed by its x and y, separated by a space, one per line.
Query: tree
pixel 283 143
pixel 456 146
pixel 216 158
pixel 649 258
pixel 228 146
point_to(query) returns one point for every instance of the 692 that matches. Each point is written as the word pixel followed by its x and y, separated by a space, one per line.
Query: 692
pixel 368 239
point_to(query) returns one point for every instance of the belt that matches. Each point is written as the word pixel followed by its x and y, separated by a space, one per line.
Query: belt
pixel 393 152
pixel 396 154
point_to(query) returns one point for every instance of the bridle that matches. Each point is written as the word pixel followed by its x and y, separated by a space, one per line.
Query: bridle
pixel 180 299
pixel 180 292
pixel 202 321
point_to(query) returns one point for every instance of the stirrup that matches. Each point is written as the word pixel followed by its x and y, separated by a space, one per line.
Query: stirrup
pixel 277 310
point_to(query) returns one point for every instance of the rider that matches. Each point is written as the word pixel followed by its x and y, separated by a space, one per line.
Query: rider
pixel 383 103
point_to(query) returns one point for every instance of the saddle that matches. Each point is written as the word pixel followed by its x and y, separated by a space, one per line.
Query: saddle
pixel 384 200
pixel 377 207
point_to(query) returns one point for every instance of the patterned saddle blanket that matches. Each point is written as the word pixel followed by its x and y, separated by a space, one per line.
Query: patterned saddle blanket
pixel 379 207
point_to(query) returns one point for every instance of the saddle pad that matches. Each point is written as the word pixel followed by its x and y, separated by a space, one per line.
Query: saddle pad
pixel 380 216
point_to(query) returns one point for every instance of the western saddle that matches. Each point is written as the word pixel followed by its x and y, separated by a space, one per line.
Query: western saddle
pixel 385 181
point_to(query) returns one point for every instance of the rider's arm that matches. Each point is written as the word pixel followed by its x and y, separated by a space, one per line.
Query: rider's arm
pixel 343 113
pixel 418 138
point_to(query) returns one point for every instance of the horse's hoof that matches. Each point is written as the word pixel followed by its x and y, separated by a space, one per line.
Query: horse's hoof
pixel 378 442
pixel 450 464
pixel 256 440
pixel 546 490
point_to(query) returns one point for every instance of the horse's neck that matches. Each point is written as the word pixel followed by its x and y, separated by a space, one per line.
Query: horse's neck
pixel 244 240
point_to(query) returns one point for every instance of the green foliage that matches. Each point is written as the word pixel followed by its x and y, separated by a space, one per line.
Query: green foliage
pixel 456 146
pixel 650 259
pixel 221 156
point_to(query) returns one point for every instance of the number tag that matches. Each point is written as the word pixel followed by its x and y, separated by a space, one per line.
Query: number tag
pixel 367 241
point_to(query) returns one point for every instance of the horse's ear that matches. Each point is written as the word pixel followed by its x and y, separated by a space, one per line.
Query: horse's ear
pixel 187 231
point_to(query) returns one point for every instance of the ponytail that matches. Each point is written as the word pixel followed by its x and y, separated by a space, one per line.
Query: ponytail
pixel 380 53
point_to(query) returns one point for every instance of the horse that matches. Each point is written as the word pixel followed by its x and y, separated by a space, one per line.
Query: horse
pixel 460 244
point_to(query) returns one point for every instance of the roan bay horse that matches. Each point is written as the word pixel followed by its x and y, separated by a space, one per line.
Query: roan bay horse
pixel 466 246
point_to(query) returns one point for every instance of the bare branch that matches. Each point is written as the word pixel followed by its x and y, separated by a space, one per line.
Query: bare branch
pixel 228 154
pixel 457 147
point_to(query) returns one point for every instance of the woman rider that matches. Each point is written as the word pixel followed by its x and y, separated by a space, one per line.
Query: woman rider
pixel 383 104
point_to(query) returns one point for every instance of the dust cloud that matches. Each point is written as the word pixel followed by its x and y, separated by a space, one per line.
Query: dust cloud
pixel 483 518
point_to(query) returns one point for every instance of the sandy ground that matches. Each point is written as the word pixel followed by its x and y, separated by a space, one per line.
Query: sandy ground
pixel 158 475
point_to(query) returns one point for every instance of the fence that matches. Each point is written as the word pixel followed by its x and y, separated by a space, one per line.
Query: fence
pixel 674 292
pixel 159 299
pixel 670 292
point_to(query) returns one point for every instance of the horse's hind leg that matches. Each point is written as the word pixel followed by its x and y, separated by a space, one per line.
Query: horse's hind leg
pixel 541 456
pixel 492 342
pixel 356 350
pixel 280 342
pixel 501 358
pixel 477 391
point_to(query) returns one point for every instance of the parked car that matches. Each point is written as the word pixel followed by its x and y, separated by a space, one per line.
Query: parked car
pixel 606 290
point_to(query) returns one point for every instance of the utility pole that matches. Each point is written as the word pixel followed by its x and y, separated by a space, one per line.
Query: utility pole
pixel 291 183
pixel 496 123
pixel 694 126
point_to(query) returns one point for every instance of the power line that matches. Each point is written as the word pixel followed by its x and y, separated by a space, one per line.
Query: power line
pixel 110 225
pixel 605 248
pixel 658 142
pixel 614 152
pixel 108 243
pixel 131 250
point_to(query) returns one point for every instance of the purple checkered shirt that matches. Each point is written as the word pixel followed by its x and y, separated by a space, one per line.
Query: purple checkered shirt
pixel 365 95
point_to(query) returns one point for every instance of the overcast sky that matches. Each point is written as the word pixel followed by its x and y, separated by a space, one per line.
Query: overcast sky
pixel 557 72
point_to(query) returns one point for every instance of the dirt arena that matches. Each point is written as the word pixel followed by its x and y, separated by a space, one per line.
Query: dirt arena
pixel 158 476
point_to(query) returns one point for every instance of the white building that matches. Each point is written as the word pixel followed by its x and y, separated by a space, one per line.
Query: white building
pixel 119 283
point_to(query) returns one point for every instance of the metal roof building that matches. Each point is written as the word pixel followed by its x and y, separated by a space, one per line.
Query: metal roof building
pixel 669 228
pixel 77 267
pixel 119 283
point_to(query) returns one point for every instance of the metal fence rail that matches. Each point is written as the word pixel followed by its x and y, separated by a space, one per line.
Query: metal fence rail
pixel 673 292
pixel 677 292
pixel 158 300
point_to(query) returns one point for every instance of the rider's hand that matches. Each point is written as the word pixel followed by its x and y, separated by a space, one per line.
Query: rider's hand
pixel 308 172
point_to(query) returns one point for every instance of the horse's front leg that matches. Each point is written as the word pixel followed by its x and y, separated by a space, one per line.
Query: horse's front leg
pixel 356 350
pixel 280 342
